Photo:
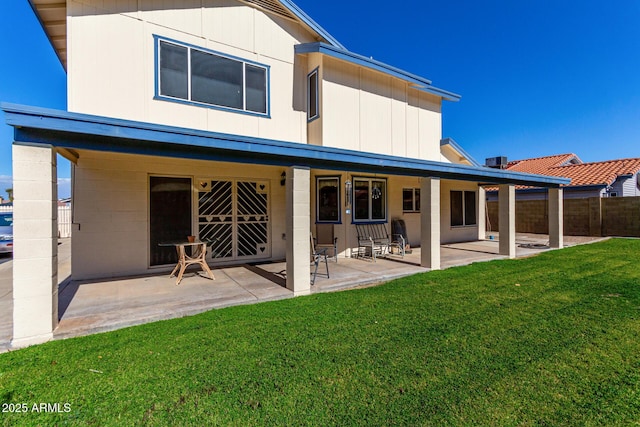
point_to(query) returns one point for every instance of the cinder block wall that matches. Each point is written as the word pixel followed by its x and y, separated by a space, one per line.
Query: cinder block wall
pixel 621 216
pixel 531 216
pixel 576 217
pixel 614 216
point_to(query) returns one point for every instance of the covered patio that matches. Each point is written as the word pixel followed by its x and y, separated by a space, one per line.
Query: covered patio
pixel 138 151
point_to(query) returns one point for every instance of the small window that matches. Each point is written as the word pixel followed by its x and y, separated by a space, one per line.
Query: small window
pixel 369 199
pixel 328 199
pixel 411 200
pixel 613 194
pixel 313 101
pixel 203 77
pixel 463 208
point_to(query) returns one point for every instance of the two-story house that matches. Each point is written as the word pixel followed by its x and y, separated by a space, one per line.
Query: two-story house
pixel 243 123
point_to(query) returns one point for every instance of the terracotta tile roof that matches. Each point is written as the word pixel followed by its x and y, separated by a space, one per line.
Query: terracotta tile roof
pixel 595 173
pixel 541 165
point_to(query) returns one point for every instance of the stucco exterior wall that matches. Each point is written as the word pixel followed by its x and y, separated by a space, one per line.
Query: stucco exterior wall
pixel 365 110
pixel 111 208
pixel 111 68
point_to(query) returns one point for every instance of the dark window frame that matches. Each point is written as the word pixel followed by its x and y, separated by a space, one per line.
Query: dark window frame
pixel 313 95
pixel 324 220
pixel 461 214
pixel 370 197
pixel 415 201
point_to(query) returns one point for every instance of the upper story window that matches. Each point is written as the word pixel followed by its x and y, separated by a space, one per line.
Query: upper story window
pixel 369 199
pixel 313 98
pixel 186 73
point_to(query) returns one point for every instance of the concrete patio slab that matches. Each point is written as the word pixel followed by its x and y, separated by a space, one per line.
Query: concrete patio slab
pixel 88 307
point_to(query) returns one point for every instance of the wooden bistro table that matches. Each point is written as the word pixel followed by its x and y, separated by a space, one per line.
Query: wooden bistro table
pixel 198 256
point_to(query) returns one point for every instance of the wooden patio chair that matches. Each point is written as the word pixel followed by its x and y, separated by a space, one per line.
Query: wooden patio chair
pixel 318 255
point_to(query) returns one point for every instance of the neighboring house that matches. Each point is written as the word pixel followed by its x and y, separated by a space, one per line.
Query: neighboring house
pixel 609 178
pixel 242 122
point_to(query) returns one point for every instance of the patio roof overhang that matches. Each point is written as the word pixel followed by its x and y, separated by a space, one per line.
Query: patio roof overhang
pixel 73 131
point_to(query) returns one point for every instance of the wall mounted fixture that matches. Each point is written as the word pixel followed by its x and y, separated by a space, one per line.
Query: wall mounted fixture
pixel 347 193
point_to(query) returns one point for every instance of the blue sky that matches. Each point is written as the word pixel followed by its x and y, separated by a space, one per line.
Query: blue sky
pixel 536 78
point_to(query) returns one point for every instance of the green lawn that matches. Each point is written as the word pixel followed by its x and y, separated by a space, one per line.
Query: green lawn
pixel 550 340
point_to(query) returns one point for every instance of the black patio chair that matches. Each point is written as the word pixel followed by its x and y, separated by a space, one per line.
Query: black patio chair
pixel 318 255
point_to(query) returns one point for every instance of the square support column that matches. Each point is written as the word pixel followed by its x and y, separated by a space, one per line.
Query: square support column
pixel 430 223
pixel 507 219
pixel 482 213
pixel 35 245
pixel 298 236
pixel 556 217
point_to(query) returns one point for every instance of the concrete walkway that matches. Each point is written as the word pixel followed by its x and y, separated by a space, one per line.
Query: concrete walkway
pixel 87 307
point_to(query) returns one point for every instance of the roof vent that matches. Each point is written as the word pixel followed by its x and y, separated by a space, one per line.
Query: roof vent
pixel 499 162
pixel 272 6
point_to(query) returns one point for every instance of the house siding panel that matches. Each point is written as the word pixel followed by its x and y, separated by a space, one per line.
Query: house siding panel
pixel 340 105
pixel 111 70
pixel 430 127
pixel 368 111
pixel 627 186
pixel 399 118
pixel 375 112
pixel 413 125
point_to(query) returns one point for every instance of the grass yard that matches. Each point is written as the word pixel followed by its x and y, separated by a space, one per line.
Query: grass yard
pixel 550 340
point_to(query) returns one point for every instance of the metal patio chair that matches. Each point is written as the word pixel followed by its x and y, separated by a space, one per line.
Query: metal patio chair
pixel 317 256
pixel 325 238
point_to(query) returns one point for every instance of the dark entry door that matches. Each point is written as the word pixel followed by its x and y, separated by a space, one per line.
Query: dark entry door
pixel 169 216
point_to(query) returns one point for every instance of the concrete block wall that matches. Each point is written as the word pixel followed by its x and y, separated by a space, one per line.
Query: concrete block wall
pixel 621 216
pixel 593 216
pixel 532 215
pixel 577 216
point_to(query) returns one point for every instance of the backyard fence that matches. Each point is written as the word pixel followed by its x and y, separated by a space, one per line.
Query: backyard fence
pixel 64 219
pixel 593 216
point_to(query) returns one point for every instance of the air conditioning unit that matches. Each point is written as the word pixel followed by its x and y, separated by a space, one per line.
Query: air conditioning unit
pixel 499 162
